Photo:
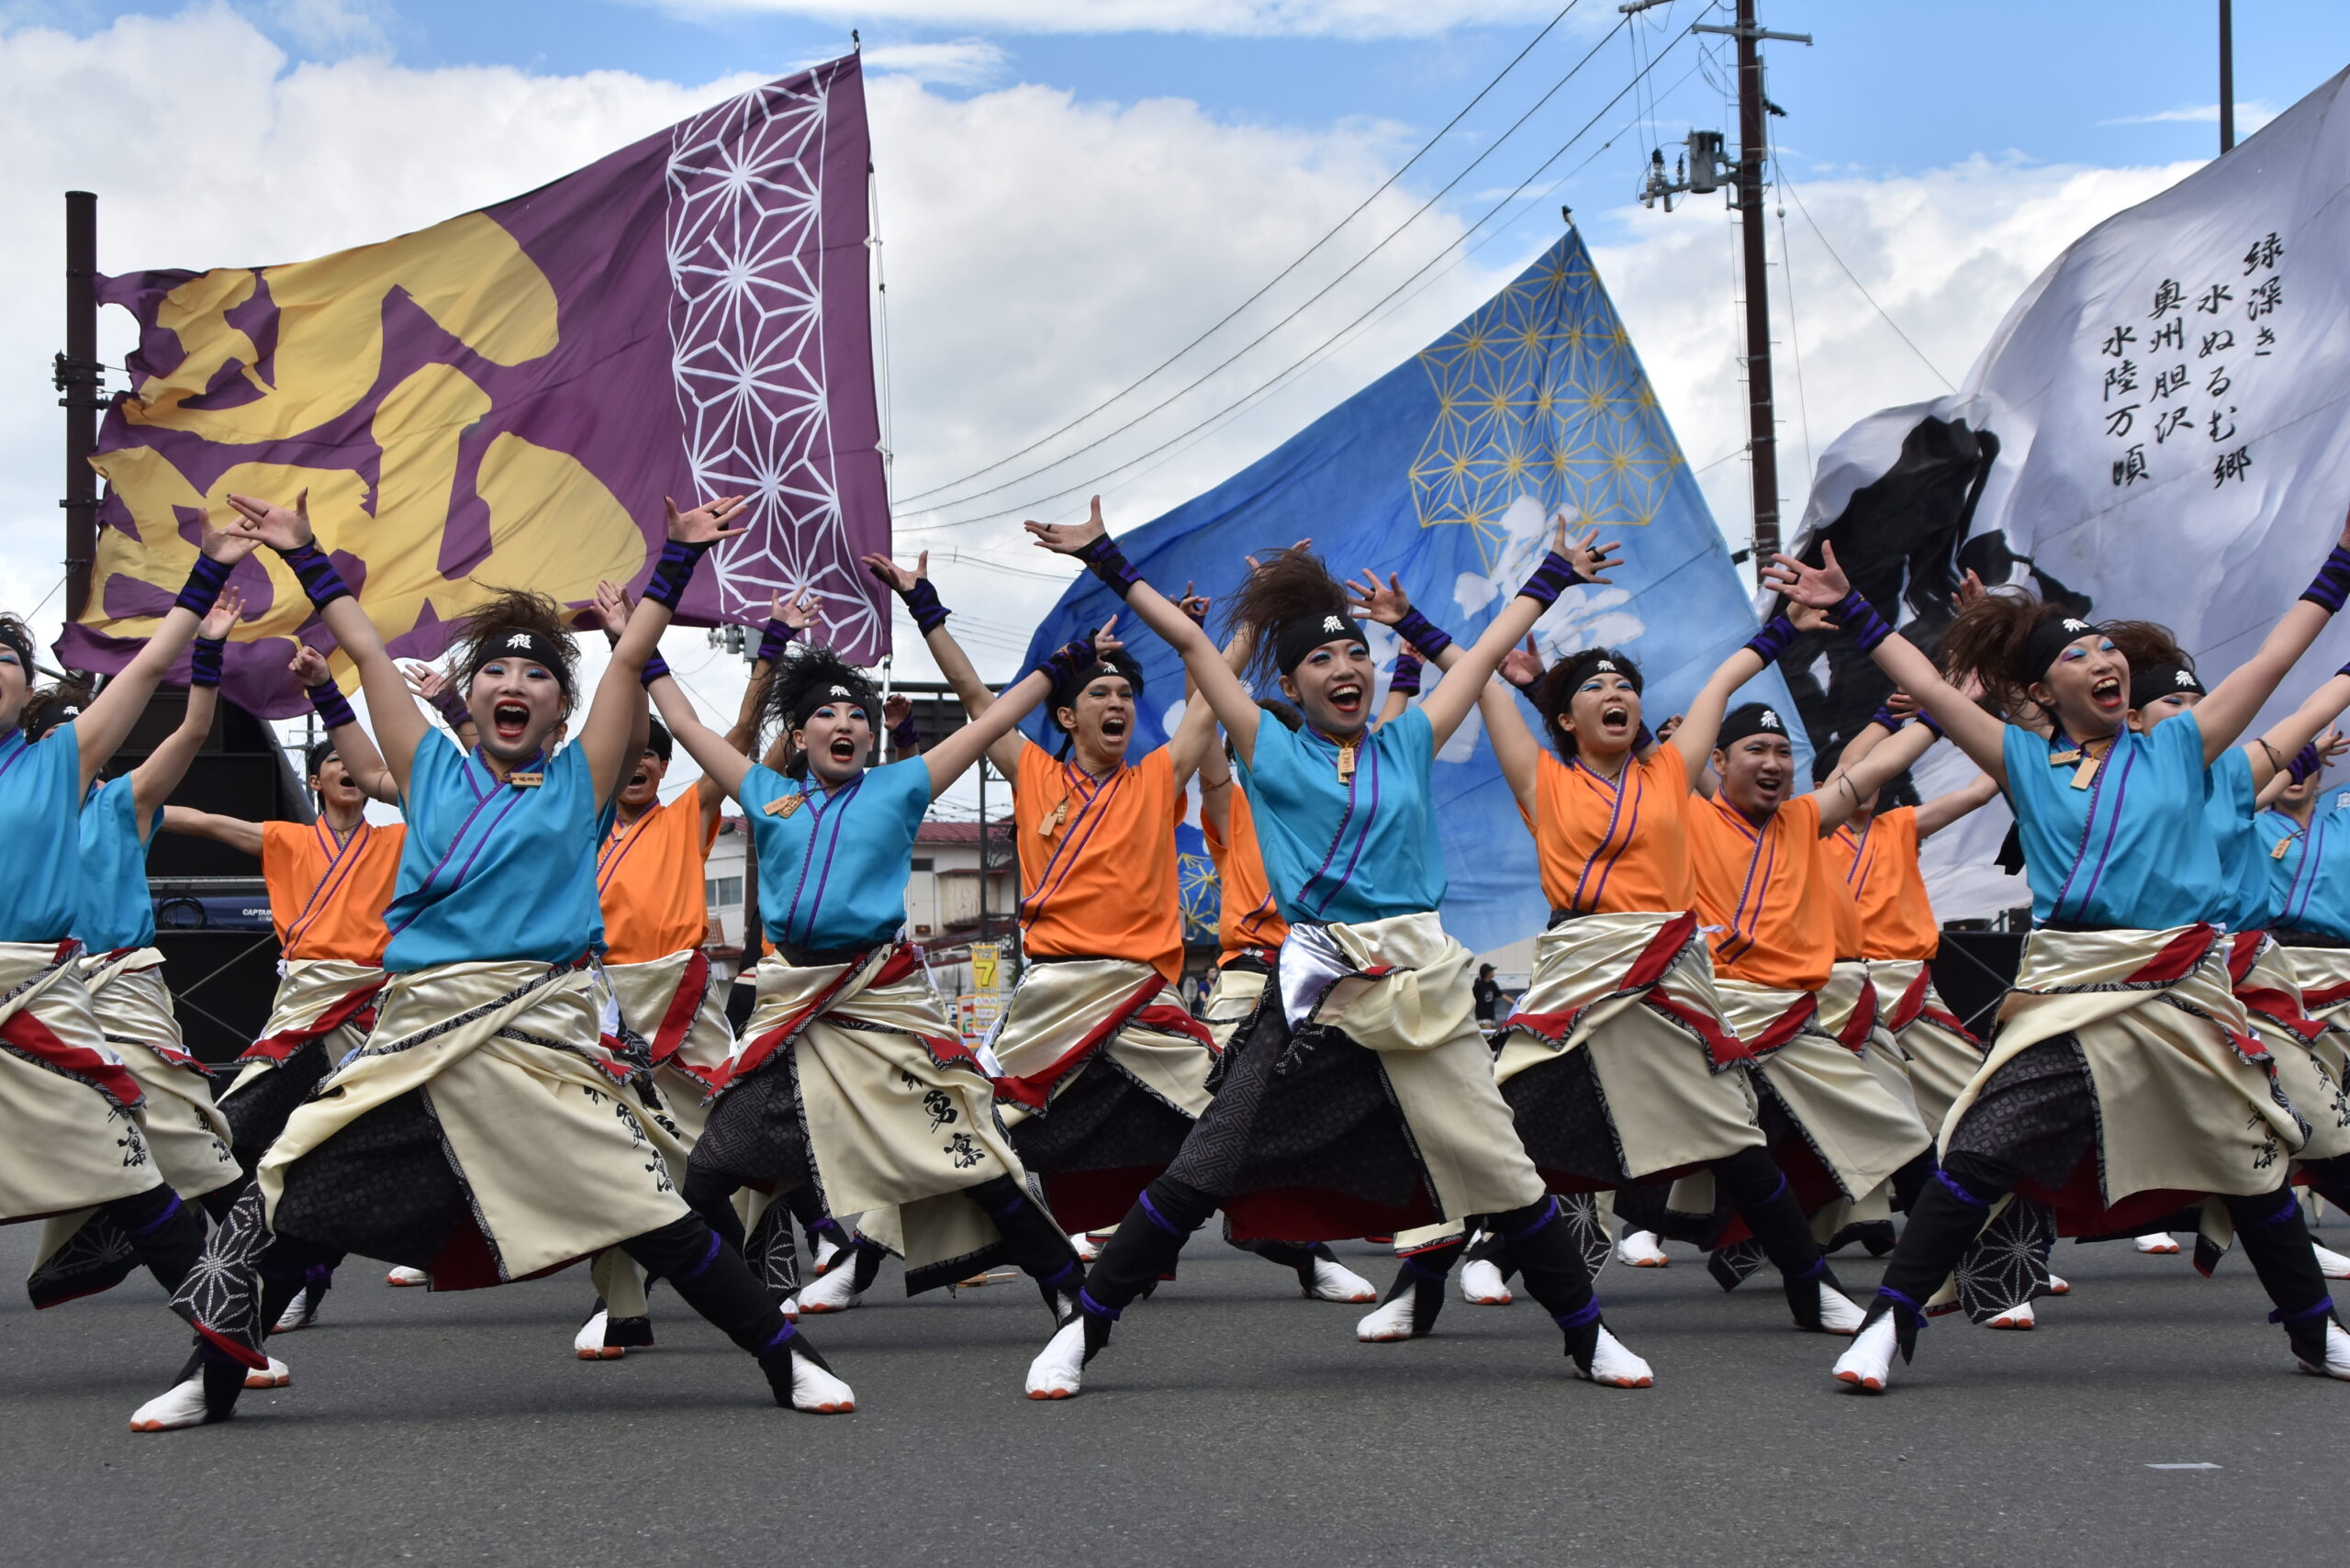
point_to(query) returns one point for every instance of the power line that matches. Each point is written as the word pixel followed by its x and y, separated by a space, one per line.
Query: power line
pixel 1789 186
pixel 1488 216
pixel 1385 185
pixel 1315 297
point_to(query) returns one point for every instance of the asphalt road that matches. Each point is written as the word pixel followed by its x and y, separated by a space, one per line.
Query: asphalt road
pixel 1231 1423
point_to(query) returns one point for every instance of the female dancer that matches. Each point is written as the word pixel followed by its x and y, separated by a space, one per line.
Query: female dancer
pixel 482 1133
pixel 2124 1068
pixel 1361 1096
pixel 115 922
pixel 848 1079
pixel 71 1111
pixel 1103 1071
pixel 1617 1064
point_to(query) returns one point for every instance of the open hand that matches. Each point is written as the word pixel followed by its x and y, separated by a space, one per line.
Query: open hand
pixel 425 682
pixel 266 522
pixel 1522 667
pixel 223 616
pixel 708 522
pixel 1808 618
pixel 1372 601
pixel 1068 538
pixel 894 576
pixel 1822 586
pixel 2330 745
pixel 1590 556
pixel 799 610
pixel 611 609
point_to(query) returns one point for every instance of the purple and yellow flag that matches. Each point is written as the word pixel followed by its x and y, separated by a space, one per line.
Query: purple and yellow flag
pixel 503 400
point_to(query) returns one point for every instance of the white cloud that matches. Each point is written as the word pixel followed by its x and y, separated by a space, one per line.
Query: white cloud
pixel 2250 117
pixel 1340 19
pixel 966 62
pixel 331 27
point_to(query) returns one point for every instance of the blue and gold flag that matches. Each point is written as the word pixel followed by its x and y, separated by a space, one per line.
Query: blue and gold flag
pixel 1446 472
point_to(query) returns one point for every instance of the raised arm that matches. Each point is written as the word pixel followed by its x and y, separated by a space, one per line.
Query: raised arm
pixel 789 616
pixel 152 781
pixel 1089 541
pixel 1973 731
pixel 398 725
pixel 352 743
pixel 1196 735
pixel 1841 794
pixel 234 832
pixel 105 720
pixel 930 617
pixel 1947 808
pixel 949 758
pixel 2270 751
pixel 1458 689
pixel 616 716
pixel 2231 704
pixel 723 763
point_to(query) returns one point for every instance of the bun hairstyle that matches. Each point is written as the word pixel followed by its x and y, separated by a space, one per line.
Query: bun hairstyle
pixel 47 707
pixel 800 683
pixel 1292 586
pixel 484 635
pixel 1554 694
pixel 2006 639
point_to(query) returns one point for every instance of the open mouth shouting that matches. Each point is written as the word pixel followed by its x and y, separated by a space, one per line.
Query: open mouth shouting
pixel 1114 726
pixel 1345 698
pixel 511 719
pixel 2107 694
pixel 1615 720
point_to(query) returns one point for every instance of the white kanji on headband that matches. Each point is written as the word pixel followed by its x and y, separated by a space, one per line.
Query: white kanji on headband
pixel 1607 665
pixel 519 640
pixel 1769 720
pixel 1331 623
pixel 2078 627
pixel 2185 678
pixel 842 691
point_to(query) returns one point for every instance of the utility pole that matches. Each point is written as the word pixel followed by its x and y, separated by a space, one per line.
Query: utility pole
pixel 1701 173
pixel 2227 75
pixel 81 388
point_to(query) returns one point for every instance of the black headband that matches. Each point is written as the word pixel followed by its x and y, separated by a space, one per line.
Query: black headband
pixel 2163 680
pixel 1751 719
pixel 23 645
pixel 521 642
pixel 1118 663
pixel 1296 639
pixel 2052 635
pixel 1600 661
pixel 830 693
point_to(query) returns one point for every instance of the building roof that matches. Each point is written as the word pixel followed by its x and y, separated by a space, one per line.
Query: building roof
pixel 962 833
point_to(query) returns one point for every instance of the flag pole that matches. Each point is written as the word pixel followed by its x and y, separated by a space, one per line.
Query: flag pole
pixel 81 387
pixel 2227 75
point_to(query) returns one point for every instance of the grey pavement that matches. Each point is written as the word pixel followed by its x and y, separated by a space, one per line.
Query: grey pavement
pixel 1230 1423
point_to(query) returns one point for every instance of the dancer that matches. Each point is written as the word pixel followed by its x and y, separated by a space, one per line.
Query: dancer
pixel 848 1079
pixel 649 885
pixel 329 882
pixel 1103 1071
pixel 2124 1072
pixel 1618 1065
pixel 84 1252
pixel 1360 1097
pixel 71 1112
pixel 482 1133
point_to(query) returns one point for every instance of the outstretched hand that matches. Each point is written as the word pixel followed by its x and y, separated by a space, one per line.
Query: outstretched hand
pixel 2330 745
pixel 1822 586
pixel 894 576
pixel 1522 667
pixel 799 609
pixel 708 522
pixel 1068 538
pixel 611 609
pixel 266 522
pixel 425 682
pixel 1590 556
pixel 222 619
pixel 1372 601
pixel 1105 641
pixel 1808 618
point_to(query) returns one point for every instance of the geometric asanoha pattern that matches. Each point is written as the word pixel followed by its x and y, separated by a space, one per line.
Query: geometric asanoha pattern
pixel 746 247
pixel 1540 394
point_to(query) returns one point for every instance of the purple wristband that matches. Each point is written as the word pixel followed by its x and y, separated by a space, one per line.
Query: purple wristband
pixel 903 736
pixel 451 707
pixel 1106 561
pixel 1406 678
pixel 315 569
pixel 774 637
pixel 1064 662
pixel 332 707
pixel 1859 621
pixel 1885 716
pixel 656 667
pixel 1778 634
pixel 1549 579
pixel 1427 637
pixel 1931 723
pixel 922 603
pixel 204 656
pixel 2331 586
pixel 673 571
pixel 2305 762
pixel 205 581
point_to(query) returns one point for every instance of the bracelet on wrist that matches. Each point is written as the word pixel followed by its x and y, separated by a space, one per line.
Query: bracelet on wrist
pixel 204 657
pixel 331 706
pixel 675 570
pixel 1427 638
pixel 1106 561
pixel 1554 576
pixel 315 570
pixel 205 581
pixel 922 603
